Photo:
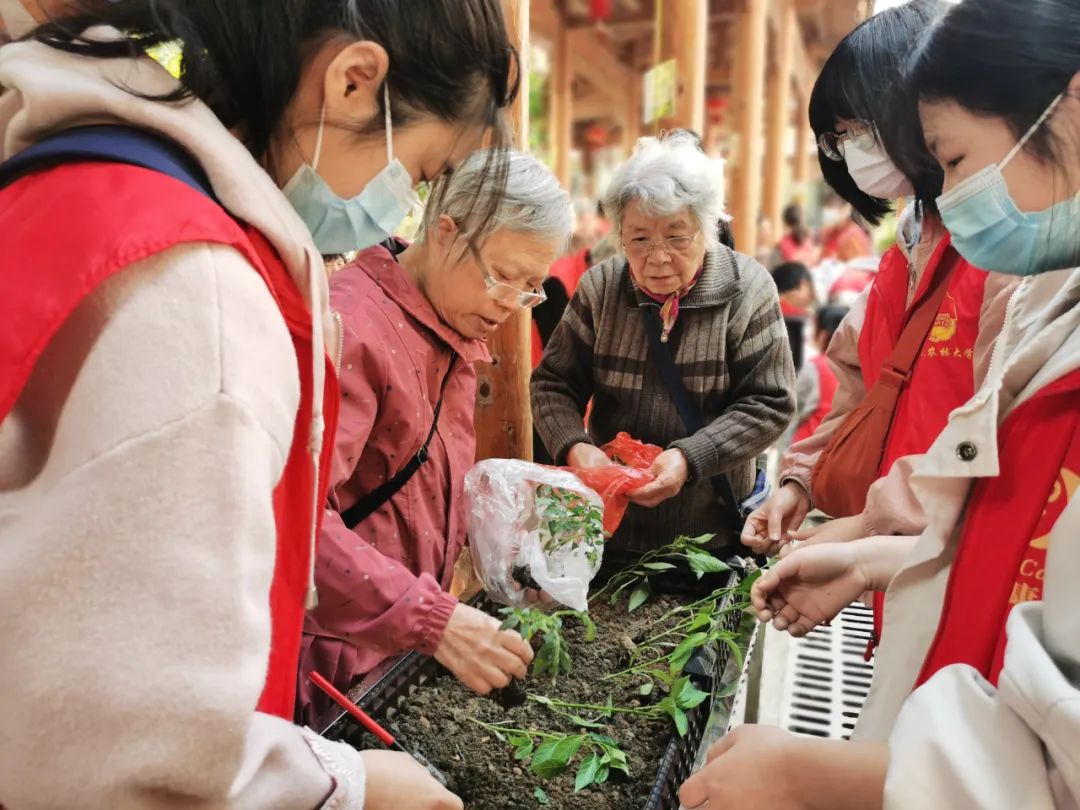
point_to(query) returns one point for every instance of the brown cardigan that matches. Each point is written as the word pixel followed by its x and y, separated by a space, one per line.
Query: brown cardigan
pixel 732 350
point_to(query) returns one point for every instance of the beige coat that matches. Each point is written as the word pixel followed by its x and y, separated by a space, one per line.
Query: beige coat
pixel 137 536
pixel 958 742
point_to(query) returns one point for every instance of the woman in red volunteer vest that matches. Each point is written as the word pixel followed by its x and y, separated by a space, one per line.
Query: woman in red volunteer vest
pixel 851 94
pixel 168 403
pixel 981 617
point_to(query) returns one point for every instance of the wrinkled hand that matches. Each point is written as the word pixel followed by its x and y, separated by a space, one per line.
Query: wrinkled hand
pixel 585 455
pixel 396 781
pixel 840 530
pixel 772 524
pixel 746 769
pixel 809 586
pixel 671 471
pixel 480 655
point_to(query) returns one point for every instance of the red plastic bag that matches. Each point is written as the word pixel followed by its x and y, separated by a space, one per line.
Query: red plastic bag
pixel 613 484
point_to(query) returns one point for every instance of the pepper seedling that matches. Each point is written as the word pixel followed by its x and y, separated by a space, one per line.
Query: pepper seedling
pixel 553 657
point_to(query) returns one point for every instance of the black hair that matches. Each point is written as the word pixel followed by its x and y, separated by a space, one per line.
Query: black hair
pixel 451 59
pixel 858 82
pixel 793 221
pixel 997 58
pixel 725 234
pixel 790 276
pixel 829 318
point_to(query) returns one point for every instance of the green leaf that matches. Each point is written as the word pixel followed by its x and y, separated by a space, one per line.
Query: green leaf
pixel 681 654
pixel 552 757
pixel 702 540
pixel 702 562
pixel 590 626
pixel 523 751
pixel 586 774
pixel 640 594
pixel 646 688
pixel 691 697
pixel 681 722
pixel 659 566
pixel 602 774
pixel 700 620
pixel 604 740
pixel 540 796
pixel 578 720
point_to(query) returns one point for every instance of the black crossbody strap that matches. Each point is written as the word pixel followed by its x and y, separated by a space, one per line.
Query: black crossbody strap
pixel 676 387
pixel 366 506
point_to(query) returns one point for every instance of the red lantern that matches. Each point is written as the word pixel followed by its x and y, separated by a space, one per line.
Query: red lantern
pixel 600 10
pixel 596 136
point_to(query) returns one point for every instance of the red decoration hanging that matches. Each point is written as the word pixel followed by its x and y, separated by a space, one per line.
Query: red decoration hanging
pixel 600 9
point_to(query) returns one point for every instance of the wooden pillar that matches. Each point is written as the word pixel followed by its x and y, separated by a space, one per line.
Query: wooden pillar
pixel 685 35
pixel 503 417
pixel 632 113
pixel 750 91
pixel 562 113
pixel 778 114
pixel 803 143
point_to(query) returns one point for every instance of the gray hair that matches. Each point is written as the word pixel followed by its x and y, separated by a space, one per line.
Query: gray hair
pixel 666 175
pixel 533 202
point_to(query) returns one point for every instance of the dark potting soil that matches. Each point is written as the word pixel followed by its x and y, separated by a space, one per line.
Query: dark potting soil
pixel 438 721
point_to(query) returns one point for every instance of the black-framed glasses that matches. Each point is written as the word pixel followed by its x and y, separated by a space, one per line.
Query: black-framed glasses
pixel 834 144
pixel 507 293
pixel 641 247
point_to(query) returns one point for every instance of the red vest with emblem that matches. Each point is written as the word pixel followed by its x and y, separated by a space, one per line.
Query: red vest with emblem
pixel 1001 558
pixel 827 385
pixel 70 229
pixel 943 377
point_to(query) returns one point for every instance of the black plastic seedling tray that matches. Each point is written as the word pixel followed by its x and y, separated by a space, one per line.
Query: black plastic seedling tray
pixel 414 671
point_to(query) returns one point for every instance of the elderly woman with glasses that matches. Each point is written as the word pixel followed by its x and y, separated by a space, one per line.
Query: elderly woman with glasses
pixel 674 291
pixel 414 319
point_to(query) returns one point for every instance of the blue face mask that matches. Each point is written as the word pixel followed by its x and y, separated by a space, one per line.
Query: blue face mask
pixel 340 226
pixel 992 233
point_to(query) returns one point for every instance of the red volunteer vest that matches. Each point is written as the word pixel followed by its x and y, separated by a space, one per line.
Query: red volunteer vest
pixel 70 229
pixel 1001 558
pixel 827 385
pixel 943 376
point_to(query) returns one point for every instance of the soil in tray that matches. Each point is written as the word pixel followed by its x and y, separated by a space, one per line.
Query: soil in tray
pixel 482 770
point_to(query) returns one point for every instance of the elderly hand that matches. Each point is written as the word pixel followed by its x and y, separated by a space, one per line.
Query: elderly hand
pixel 841 530
pixel 671 471
pixel 479 654
pixel 772 524
pixel 809 586
pixel 748 769
pixel 396 781
pixel 586 455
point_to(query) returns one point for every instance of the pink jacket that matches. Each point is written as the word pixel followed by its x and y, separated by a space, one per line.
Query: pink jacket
pixel 382 587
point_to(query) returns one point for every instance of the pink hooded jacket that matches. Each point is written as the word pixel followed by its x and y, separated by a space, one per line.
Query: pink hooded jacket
pixel 383 586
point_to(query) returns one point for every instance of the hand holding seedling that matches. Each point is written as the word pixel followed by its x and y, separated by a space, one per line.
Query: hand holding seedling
pixel 479 653
pixel 841 530
pixel 396 781
pixel 771 525
pixel 671 471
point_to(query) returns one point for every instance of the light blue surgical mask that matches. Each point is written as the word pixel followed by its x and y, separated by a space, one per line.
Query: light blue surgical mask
pixel 340 226
pixel 992 233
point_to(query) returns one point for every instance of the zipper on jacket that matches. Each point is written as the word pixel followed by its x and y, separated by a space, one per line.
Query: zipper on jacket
pixel 340 341
pixel 1010 306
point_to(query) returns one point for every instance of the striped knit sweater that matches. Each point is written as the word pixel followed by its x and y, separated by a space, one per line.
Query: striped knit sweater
pixel 730 345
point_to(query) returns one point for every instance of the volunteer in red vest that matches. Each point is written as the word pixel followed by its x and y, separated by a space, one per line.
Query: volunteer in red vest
pixel 416 318
pixel 981 616
pixel 816 384
pixel 168 400
pixel 852 92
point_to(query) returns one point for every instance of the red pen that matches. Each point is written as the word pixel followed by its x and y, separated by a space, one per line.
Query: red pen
pixel 368 722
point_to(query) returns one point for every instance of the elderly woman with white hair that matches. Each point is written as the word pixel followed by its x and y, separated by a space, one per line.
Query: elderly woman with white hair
pixel 675 303
pixel 414 319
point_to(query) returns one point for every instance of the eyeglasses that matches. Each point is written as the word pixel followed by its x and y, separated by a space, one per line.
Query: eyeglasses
pixel 508 293
pixel 640 247
pixel 834 144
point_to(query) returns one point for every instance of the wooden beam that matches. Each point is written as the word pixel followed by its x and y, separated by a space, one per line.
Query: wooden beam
pixel 748 93
pixel 562 121
pixel 686 24
pixel 597 105
pixel 503 416
pixel 544 21
pixel 804 147
pixel 632 118
pixel 778 114
pixel 592 58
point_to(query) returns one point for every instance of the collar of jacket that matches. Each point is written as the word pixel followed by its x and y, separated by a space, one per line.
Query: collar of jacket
pixel 719 283
pixel 382 266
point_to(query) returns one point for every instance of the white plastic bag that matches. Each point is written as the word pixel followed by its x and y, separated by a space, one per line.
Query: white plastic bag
pixel 533 526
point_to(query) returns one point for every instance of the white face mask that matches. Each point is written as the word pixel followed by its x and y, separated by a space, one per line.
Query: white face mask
pixel 874 172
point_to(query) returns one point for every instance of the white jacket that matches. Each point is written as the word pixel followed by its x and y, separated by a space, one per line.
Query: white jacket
pixel 957 742
pixel 137 536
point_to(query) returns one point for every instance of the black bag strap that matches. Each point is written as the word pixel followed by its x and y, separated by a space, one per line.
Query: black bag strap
pixel 106 143
pixel 676 387
pixel 366 506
